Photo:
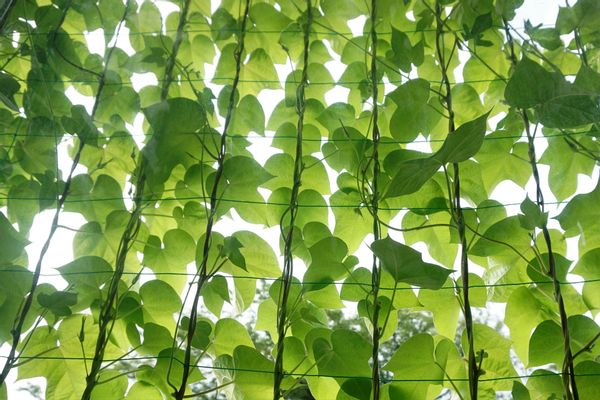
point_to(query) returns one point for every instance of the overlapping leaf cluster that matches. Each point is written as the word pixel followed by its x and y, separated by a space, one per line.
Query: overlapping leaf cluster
pixel 139 310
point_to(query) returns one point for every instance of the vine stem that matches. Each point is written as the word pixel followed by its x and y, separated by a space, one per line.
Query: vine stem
pixel 17 329
pixel 579 44
pixel 473 368
pixel 292 210
pixel 575 144
pixel 203 273
pixel 107 312
pixel 4 14
pixel 376 267
pixel 172 60
pixel 568 370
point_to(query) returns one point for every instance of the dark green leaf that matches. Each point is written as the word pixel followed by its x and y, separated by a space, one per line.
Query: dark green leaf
pixel 406 265
pixel 463 143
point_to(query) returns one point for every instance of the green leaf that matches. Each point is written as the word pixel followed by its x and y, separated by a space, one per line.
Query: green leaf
pixel 439 240
pixel 173 124
pixel 346 354
pixel 231 250
pixel 94 239
pixel 326 297
pixel 466 103
pixel 248 117
pixel 156 339
pixel 413 114
pixel 569 109
pixel 588 80
pixel 520 392
pixel 406 265
pixel 504 237
pixel 142 390
pixel 253 385
pixel 258 254
pixel 243 175
pixel 532 216
pixel 223 25
pixel 12 244
pixel 95 200
pixel 228 335
pixel 82 125
pixel 545 384
pixel 402 50
pixel 352 222
pixel 281 166
pixel 327 260
pixel 63 366
pixel 577 218
pixel 411 176
pixel 524 311
pixel 215 293
pixel 444 306
pixel 530 85
pixel 8 88
pixel 160 302
pixel 588 267
pixel 548 38
pixel 58 302
pixel 498 362
pixel 546 344
pixel 565 166
pixel 463 143
pixel 257 74
pixel 353 288
pixel 321 80
pixel 14 286
pixel 285 138
pixel 167 370
pixel 559 103
pixel 414 359
pixel 171 256
pixel 36 151
pixel 586 373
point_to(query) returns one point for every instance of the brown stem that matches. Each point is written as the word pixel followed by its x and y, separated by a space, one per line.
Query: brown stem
pixel 579 43
pixel 376 267
pixel 129 236
pixel 5 13
pixel 588 346
pixel 17 329
pixel 568 371
pixel 172 60
pixel 473 368
pixel 203 273
pixel 292 210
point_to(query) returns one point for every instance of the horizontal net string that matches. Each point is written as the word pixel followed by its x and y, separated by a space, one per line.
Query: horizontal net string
pixel 241 80
pixel 236 369
pixel 250 31
pixel 268 203
pixel 388 288
pixel 384 140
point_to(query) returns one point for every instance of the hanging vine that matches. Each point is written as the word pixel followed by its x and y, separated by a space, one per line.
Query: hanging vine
pixel 108 311
pixel 376 268
pixel 20 319
pixel 455 204
pixel 203 272
pixel 287 229
pixel 568 371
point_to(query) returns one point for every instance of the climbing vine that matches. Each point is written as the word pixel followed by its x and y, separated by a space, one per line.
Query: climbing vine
pixel 247 199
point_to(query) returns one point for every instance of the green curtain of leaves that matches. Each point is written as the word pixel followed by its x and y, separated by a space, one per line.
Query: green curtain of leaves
pixel 248 199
